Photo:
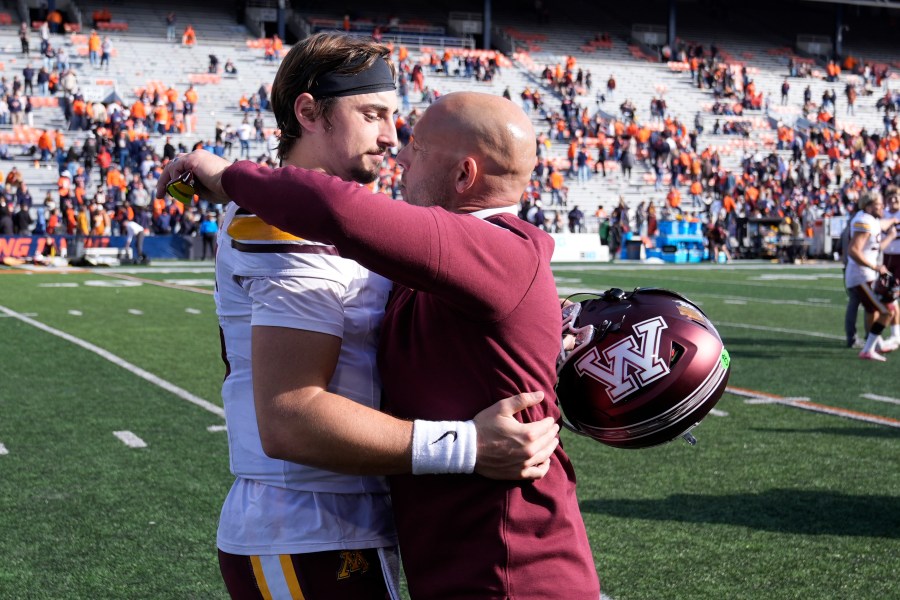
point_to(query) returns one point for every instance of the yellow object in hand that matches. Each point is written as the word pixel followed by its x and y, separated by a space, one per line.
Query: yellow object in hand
pixel 182 189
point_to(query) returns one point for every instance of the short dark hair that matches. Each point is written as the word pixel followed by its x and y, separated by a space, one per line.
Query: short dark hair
pixel 307 60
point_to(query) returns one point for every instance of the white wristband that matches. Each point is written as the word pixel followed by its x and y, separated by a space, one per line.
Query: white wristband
pixel 443 447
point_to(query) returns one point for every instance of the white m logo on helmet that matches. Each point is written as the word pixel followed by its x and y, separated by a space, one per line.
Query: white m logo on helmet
pixel 630 363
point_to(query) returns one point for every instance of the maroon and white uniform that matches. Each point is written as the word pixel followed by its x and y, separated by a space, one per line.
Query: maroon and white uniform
pixel 892 252
pixel 474 317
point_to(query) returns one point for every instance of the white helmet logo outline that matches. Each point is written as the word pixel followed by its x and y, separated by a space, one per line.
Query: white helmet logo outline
pixel 632 362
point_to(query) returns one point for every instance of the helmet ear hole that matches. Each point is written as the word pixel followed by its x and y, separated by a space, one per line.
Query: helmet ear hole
pixel 676 354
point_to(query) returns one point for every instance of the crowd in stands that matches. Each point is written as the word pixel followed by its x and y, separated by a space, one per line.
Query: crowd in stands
pixel 810 171
pixel 824 174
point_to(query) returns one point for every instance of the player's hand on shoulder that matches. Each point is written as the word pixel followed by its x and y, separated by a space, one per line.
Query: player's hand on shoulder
pixel 207 170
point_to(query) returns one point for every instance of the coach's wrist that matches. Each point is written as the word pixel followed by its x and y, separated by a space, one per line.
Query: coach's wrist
pixel 443 447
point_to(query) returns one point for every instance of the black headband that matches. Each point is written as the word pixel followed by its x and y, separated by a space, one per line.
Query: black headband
pixel 377 78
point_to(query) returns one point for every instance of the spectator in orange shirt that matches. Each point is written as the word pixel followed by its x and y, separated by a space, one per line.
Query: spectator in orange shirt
pixel 673 198
pixel 728 204
pixel 556 180
pixel 161 118
pixel 139 111
pixel 94 48
pixel 277 46
pixel 54 20
pixel 59 141
pixel 570 154
pixel 696 190
pixel 78 121
pixel 189 38
pixel 45 145
pixel 115 184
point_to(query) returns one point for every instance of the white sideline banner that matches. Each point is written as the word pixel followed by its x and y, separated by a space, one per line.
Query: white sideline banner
pixel 579 247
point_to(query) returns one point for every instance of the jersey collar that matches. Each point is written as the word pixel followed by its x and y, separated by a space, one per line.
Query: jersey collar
pixel 490 212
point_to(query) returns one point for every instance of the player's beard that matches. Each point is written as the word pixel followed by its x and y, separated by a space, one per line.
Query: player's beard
pixel 363 173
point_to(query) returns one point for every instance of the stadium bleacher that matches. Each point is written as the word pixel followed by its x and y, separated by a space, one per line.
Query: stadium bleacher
pixel 142 59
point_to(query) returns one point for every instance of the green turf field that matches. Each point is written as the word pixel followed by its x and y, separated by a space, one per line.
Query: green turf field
pixel 775 501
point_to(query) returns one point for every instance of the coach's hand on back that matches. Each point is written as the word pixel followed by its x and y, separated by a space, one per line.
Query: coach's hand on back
pixel 509 449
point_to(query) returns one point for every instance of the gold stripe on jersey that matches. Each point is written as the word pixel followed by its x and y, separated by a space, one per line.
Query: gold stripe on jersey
pixel 290 577
pixel 260 578
pixel 252 228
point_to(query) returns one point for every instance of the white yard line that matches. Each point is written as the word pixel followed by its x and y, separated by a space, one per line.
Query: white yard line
pixel 757 282
pixel 140 280
pixel 130 440
pixel 751 300
pixel 120 362
pixel 887 399
pixel 755 397
pixel 215 428
pixel 805 332
pixel 3 450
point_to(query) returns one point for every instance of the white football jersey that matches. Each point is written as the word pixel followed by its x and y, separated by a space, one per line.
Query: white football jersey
pixel 265 277
pixel 856 274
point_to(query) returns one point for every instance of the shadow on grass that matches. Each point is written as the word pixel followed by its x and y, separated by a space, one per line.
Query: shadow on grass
pixel 780 510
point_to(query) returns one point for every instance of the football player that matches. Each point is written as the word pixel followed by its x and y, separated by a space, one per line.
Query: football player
pixel 867 240
pixel 299 329
pixel 892 250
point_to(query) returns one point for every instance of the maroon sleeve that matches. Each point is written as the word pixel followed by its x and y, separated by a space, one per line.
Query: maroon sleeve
pixel 481 267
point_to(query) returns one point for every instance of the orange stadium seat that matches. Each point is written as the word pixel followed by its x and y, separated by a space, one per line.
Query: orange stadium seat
pixel 204 78
pixel 112 26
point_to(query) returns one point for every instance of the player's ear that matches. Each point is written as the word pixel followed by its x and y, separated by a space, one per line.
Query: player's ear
pixel 305 113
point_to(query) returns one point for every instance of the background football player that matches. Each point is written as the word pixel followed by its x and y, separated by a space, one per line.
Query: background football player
pixel 867 240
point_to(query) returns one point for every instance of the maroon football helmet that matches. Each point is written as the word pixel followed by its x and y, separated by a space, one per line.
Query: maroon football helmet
pixel 645 368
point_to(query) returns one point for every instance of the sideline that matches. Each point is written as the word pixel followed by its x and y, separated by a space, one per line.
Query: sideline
pixel 172 286
pixel 120 362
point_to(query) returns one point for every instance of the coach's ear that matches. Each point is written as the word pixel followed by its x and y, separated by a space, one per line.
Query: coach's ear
pixel 467 172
